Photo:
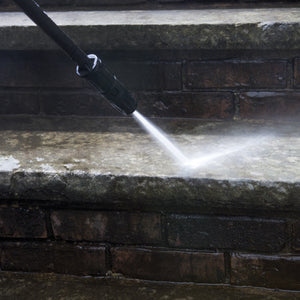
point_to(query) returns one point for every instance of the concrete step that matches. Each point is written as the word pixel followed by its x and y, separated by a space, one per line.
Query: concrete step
pixel 244 164
pixel 49 286
pixel 273 28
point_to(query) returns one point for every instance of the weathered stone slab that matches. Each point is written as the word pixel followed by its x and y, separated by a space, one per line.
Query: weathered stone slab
pixel 182 29
pixel 30 286
pixel 113 164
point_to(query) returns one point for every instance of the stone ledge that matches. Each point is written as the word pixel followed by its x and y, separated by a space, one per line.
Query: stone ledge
pixel 39 286
pixel 111 163
pixel 277 28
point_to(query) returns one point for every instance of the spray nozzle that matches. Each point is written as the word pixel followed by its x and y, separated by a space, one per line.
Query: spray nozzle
pixel 108 84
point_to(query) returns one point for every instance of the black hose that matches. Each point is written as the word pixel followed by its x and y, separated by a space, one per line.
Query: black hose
pixel 35 13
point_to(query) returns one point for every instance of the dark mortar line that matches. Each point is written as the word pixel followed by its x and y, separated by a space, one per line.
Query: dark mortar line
pixel 43 89
pixel 290 236
pixel 293 77
pixel 227 267
pixel 231 250
pixel 111 244
pixel 23 240
pixel 164 229
pixel 241 89
pixel 40 90
pixel 108 257
pixel 182 68
pixel 236 106
pixel 219 90
pixel 151 247
pixel 289 74
pixel 50 232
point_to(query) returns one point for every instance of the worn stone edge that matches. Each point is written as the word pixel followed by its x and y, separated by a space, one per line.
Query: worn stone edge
pixel 145 192
pixel 274 36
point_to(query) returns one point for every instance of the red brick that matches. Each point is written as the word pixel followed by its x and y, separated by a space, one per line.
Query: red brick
pixel 205 105
pixel 238 233
pixel 169 265
pixel 52 257
pixel 235 74
pixel 22 223
pixel 38 69
pixel 12 102
pixel 267 271
pixel 267 105
pixel 148 76
pixel 83 103
pixel 115 227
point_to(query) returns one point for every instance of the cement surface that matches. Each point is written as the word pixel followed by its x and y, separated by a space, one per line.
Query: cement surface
pixel 244 164
pixel 270 28
pixel 161 17
pixel 49 286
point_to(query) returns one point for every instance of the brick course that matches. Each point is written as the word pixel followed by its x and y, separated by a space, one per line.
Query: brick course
pixel 235 74
pixel 188 258
pixel 205 105
pixel 56 70
pixel 114 227
pixel 41 82
pixel 63 258
pixel 168 265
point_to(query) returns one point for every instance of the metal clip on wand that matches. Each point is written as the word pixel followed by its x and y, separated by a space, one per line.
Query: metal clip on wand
pixel 89 66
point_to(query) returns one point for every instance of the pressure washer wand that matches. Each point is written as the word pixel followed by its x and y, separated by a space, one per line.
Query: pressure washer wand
pixel 89 66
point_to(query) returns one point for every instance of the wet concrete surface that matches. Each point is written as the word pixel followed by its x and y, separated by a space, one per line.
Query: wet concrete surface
pixel 29 286
pixel 115 157
pixel 228 150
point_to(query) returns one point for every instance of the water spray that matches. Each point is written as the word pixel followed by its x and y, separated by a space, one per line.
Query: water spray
pixel 89 66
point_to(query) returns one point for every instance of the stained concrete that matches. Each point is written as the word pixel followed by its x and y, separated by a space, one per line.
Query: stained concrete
pixel 270 28
pixel 49 286
pixel 114 163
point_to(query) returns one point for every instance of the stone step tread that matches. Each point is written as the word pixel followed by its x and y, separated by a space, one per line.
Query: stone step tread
pixel 113 158
pixel 161 29
pixel 261 16
pixel 38 286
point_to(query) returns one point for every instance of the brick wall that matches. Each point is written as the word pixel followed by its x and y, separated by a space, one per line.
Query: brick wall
pixel 228 85
pixel 239 250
